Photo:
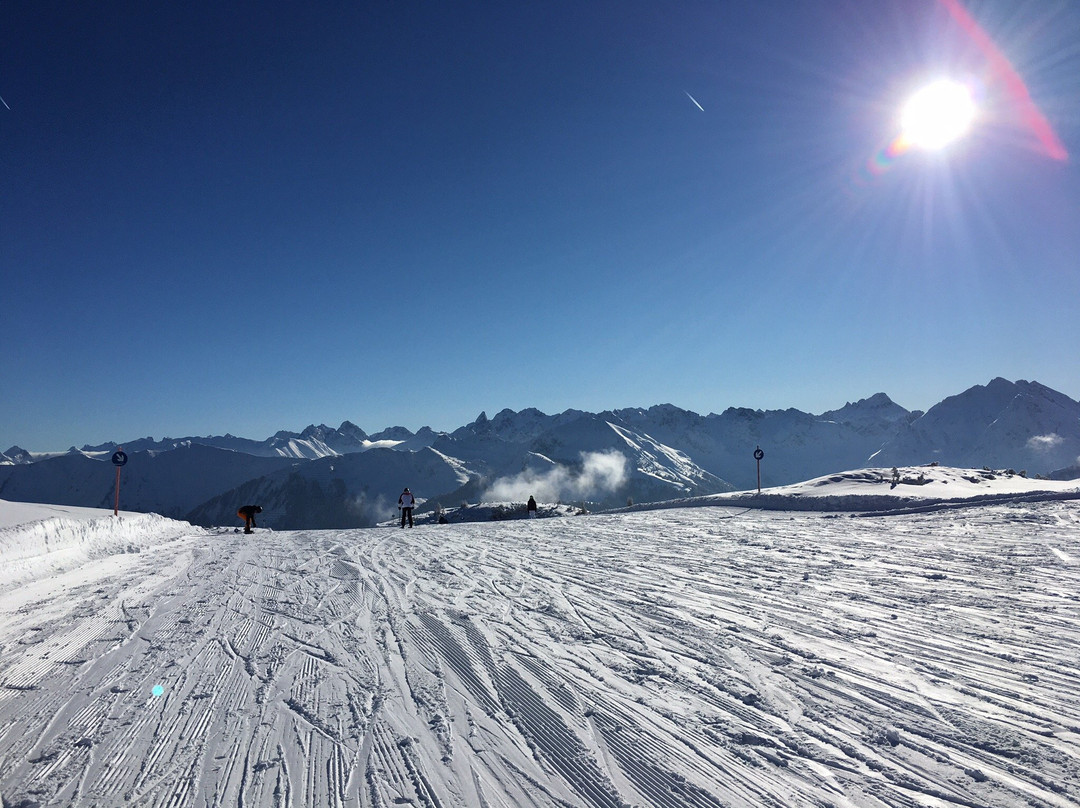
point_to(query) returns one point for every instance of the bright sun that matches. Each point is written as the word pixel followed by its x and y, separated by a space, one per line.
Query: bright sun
pixel 938 114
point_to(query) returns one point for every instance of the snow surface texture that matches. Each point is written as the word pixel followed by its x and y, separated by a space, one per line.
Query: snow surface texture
pixel 709 656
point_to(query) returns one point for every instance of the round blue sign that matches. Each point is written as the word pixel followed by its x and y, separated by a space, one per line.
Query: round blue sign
pixel 758 454
pixel 119 459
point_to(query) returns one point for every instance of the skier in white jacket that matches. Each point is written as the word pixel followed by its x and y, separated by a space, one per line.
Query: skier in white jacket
pixel 406 502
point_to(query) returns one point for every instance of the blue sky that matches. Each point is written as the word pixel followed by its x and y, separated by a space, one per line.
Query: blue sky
pixel 242 217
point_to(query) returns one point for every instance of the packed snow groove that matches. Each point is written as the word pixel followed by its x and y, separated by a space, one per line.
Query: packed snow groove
pixel 686 658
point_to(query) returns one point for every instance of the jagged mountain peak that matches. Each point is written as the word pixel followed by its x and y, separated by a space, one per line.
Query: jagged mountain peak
pixel 519 427
pixel 878 401
pixel 349 429
pixel 978 405
pixel 1020 424
pixel 746 413
pixel 16 455
pixel 660 413
pixel 395 433
pixel 506 425
pixel 877 407
pixel 508 414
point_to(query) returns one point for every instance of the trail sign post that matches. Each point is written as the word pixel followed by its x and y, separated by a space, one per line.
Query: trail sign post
pixel 758 455
pixel 118 460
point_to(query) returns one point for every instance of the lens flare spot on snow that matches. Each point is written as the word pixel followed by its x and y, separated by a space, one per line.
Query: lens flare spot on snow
pixel 158 691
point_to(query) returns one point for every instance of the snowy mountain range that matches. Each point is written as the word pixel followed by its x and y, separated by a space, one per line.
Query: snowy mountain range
pixel 339 478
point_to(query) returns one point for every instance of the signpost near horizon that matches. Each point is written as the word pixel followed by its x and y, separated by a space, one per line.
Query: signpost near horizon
pixel 758 455
pixel 118 460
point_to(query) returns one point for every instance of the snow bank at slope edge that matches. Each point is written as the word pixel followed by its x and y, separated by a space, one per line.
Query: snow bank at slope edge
pixel 48 546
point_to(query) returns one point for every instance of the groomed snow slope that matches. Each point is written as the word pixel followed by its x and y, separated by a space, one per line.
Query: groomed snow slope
pixel 700 657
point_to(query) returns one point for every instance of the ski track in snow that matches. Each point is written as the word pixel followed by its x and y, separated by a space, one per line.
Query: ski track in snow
pixel 691 658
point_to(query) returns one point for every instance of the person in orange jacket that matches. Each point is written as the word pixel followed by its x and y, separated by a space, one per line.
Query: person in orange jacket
pixel 247 513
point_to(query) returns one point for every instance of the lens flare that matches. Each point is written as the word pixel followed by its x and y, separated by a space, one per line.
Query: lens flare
pixel 1001 71
pixel 883 160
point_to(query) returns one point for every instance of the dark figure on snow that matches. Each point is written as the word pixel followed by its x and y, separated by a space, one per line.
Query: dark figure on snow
pixel 247 513
pixel 531 506
pixel 406 502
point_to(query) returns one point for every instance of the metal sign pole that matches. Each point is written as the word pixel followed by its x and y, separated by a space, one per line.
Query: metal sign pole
pixel 118 460
pixel 758 454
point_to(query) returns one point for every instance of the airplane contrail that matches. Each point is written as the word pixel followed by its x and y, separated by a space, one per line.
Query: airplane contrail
pixel 2 101
pixel 696 104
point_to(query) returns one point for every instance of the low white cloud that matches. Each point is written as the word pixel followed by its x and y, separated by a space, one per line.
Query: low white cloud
pixel 1044 443
pixel 600 473
pixel 373 509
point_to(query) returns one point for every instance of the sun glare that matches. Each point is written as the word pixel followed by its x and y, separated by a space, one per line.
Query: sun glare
pixel 938 114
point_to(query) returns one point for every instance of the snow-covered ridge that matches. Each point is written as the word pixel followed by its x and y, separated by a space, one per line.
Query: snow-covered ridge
pixel 880 490
pixel 36 547
pixel 923 482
